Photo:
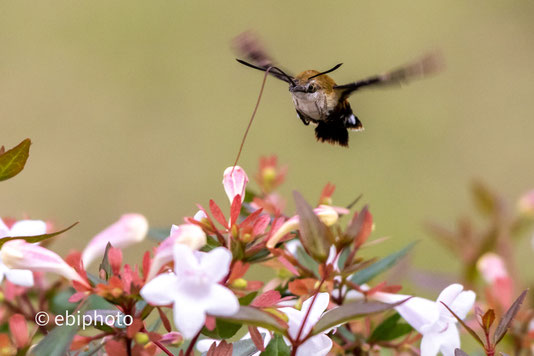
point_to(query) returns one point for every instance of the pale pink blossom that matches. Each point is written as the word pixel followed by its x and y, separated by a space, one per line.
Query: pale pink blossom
pixel 193 289
pixel 526 203
pixel 186 234
pixel 19 254
pixel 235 182
pixel 22 277
pixel 128 230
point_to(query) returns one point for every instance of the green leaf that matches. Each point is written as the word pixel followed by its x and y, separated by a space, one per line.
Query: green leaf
pixel 350 311
pixel 104 265
pixel 56 342
pixel 223 329
pixel 59 303
pixel 313 233
pixel 307 261
pixel 276 347
pixel 255 317
pixel 35 238
pixel 390 329
pixel 12 162
pixel 380 266
pixel 506 320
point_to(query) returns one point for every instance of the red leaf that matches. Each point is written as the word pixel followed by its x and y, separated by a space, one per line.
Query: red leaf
pixel 134 328
pixel 300 287
pixel 250 219
pixel 115 260
pixel 115 347
pixel 164 320
pixel 235 209
pixel 218 214
pixel 223 349
pixel 260 225
pixel 19 330
pixel 238 270
pixel 76 297
pixel 256 337
pixel 147 261
pixel 266 299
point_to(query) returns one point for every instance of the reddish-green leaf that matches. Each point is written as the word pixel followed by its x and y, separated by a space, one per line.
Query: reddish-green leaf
pixel 471 331
pixel 12 162
pixel 459 352
pixel 487 319
pixel 313 233
pixel 218 214
pixel 506 320
pixel 35 238
pixel 256 317
pixel 350 311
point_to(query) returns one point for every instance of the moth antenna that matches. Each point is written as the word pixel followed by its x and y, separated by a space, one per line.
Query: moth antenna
pixel 253 113
pixel 328 71
pixel 288 77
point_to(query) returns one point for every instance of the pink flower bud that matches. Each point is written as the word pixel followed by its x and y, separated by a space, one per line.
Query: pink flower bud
pixel 130 229
pixel 19 254
pixel 235 181
pixel 491 267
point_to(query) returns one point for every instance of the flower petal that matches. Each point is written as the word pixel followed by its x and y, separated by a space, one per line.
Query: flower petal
pixel 20 277
pixel 448 295
pixel 188 317
pixel 184 259
pixel 318 345
pixel 319 306
pixel 221 301
pixel 449 340
pixel 161 290
pixel 28 228
pixel 463 303
pixel 216 263
pixel 430 344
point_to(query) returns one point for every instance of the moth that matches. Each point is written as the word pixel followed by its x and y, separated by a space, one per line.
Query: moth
pixel 318 99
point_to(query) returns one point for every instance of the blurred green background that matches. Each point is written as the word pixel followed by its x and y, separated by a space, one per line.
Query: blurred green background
pixel 139 106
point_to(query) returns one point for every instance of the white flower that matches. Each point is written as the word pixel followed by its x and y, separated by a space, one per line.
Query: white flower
pixel 194 290
pixel 128 230
pixel 317 345
pixel 205 344
pixel 21 277
pixel 432 319
pixel 186 234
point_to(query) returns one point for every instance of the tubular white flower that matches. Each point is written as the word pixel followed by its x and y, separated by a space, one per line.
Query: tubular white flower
pixel 235 182
pixel 128 230
pixel 432 319
pixel 193 289
pixel 185 234
pixel 316 345
pixel 491 267
pixel 21 277
pixel 325 213
pixel 19 254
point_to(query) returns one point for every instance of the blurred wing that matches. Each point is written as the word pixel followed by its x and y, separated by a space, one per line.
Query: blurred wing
pixel 248 46
pixel 427 65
